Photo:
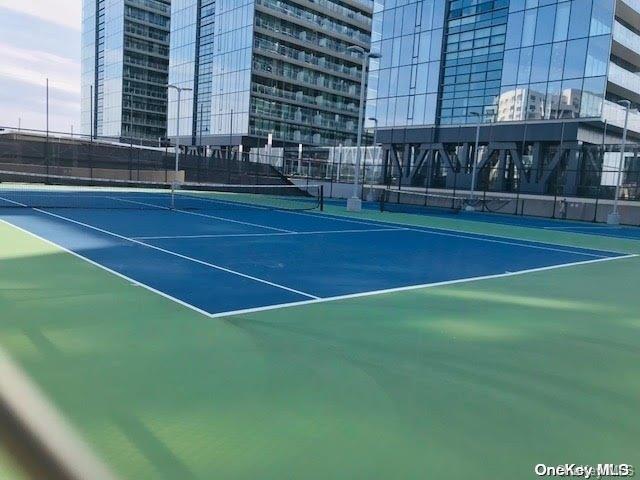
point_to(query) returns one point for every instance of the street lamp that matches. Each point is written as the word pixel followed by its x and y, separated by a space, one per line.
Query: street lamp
pixel 375 130
pixel 373 150
pixel 131 119
pixel 614 217
pixel 354 204
pixel 470 207
pixel 179 90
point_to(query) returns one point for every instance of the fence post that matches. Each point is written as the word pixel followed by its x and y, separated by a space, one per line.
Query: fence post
pixel 555 187
pixel 164 163
pixel 385 172
pixel 430 159
pixel 364 173
pixel 455 184
pixel 91 158
pixel 519 180
pixel 595 210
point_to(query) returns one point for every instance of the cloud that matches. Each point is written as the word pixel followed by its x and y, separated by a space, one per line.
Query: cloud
pixel 31 50
pixel 33 66
pixel 61 12
pixel 27 102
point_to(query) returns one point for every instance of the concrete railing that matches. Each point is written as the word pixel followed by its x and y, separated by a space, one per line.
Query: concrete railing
pixel 624 78
pixel 626 37
pixel 614 115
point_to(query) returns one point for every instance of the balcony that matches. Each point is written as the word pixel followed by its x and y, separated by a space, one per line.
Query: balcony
pixel 626 44
pixel 623 83
pixel 614 114
pixel 629 10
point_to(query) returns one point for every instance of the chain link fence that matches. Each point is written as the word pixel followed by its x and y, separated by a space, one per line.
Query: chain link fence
pixel 36 152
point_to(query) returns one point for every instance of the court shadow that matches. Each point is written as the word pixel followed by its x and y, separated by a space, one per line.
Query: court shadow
pixel 164 461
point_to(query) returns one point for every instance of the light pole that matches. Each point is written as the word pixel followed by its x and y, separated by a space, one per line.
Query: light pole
pixel 46 155
pixel 354 204
pixel 470 207
pixel 91 112
pixel 201 122
pixel 375 130
pixel 614 217
pixel 131 119
pixel 179 90
pixel 130 136
pixel 375 143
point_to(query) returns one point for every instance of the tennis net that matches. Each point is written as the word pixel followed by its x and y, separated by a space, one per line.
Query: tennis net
pixel 37 190
pixel 407 201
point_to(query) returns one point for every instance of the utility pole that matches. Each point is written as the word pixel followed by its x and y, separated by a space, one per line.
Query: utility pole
pixel 91 112
pixel 354 204
pixel 177 165
pixel 470 207
pixel 46 153
pixel 614 217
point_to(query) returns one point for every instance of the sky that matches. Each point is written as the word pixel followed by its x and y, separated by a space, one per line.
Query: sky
pixel 40 39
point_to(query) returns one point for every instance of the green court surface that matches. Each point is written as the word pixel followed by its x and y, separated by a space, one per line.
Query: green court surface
pixel 478 380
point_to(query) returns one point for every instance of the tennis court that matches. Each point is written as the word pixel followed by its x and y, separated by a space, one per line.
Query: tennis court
pixel 248 334
pixel 220 256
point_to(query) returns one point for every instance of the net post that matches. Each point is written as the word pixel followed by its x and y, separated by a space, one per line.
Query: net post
pixel 322 198
pixel 173 195
pixel 382 199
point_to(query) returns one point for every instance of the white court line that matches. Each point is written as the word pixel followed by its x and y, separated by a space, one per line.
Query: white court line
pixel 444 232
pixel 431 231
pixel 204 215
pixel 416 287
pixel 107 269
pixel 225 235
pixel 316 299
pixel 170 252
pixel 470 235
pixel 595 227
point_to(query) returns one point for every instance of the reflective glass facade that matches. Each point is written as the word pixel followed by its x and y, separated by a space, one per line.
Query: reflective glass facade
pixel 89 67
pixel 110 66
pixel 125 53
pixel 474 46
pixel 263 67
pixel 231 67
pixel 404 82
pixel 453 62
pixel 183 59
pixel 555 60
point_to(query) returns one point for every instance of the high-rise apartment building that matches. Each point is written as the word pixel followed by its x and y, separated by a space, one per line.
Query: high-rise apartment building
pixel 267 67
pixel 125 62
pixel 542 77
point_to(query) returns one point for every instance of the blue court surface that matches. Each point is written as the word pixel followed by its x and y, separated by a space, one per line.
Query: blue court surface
pixel 228 260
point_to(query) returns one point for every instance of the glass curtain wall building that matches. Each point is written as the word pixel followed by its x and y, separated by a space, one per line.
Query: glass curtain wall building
pixel 541 78
pixel 267 67
pixel 125 62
